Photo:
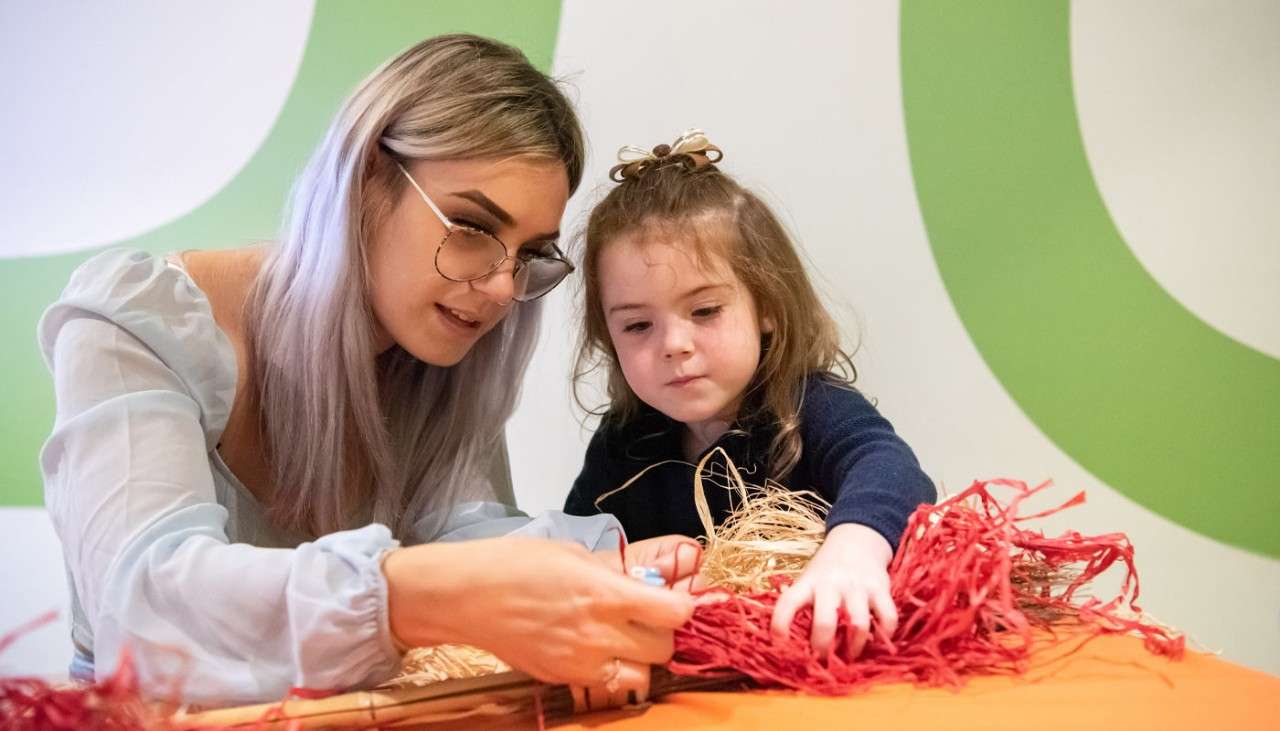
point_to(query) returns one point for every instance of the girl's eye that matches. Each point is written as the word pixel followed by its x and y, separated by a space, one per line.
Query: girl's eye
pixel 636 327
pixel 708 311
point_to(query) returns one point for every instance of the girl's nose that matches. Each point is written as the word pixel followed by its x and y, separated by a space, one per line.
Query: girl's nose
pixel 677 342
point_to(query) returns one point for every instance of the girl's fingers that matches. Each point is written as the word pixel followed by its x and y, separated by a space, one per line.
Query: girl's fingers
pixel 886 611
pixel 825 603
pixel 793 597
pixel 856 603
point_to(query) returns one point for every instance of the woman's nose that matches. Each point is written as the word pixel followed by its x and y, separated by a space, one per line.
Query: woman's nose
pixel 499 285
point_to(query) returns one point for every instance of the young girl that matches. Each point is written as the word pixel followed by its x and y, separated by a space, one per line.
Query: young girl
pixel 701 313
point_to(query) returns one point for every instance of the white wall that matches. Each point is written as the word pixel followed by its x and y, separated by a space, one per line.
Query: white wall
pixel 807 105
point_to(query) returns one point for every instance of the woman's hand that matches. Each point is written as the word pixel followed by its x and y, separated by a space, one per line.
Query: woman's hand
pixel 676 557
pixel 548 608
pixel 849 570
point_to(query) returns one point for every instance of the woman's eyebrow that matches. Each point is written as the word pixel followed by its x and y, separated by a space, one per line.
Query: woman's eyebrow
pixel 487 203
pixel 500 213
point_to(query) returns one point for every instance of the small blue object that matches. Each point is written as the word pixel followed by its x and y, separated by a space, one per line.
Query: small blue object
pixel 649 575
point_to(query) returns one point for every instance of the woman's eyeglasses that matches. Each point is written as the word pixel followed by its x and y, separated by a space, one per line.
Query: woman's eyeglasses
pixel 466 254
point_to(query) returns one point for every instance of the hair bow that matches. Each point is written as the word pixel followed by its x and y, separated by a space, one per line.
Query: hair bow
pixel 691 149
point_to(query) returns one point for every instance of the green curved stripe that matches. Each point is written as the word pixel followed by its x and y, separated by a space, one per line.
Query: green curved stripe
pixel 346 42
pixel 1123 378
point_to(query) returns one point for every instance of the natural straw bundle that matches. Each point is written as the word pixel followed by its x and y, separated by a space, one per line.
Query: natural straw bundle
pixel 426 665
pixel 771 535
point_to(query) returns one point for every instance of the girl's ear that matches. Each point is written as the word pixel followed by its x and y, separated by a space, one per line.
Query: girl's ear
pixel 766 324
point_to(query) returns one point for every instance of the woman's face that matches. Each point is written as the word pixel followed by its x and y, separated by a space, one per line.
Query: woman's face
pixel 518 200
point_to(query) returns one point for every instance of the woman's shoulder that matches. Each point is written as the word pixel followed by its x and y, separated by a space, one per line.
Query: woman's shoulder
pixel 153 301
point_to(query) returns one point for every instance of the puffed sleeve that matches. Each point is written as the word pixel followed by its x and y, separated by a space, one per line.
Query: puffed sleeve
pixel 144 379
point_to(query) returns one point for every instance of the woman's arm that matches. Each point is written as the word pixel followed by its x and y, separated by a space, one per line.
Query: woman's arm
pixel 131 494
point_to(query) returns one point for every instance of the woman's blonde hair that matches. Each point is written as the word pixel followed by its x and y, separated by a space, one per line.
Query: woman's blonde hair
pixel 352 436
pixel 706 209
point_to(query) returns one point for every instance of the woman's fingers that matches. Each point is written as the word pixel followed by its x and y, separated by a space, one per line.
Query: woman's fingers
pixel 650 605
pixel 641 644
pixel 676 557
pixel 620 683
pixel 680 560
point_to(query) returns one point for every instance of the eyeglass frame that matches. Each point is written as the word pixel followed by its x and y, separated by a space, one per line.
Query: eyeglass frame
pixel 450 227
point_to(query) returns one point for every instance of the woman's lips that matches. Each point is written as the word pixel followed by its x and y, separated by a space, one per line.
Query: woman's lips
pixel 464 327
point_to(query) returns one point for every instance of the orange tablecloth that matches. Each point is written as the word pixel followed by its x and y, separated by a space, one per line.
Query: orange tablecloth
pixel 1113 683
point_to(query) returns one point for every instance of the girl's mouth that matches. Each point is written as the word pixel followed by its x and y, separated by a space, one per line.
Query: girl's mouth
pixel 685 380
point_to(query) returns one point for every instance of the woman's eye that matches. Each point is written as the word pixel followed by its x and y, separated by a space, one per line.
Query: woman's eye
pixel 473 227
pixel 635 327
pixel 545 250
pixel 708 311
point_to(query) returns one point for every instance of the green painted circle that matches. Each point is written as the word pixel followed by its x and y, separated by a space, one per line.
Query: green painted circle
pixel 1164 408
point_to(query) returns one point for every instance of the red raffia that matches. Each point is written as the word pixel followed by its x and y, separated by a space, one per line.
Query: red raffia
pixel 113 704
pixel 976 595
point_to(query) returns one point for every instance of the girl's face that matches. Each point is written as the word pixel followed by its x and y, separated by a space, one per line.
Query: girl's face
pixel 520 201
pixel 686 333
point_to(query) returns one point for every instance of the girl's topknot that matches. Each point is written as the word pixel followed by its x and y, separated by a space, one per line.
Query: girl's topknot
pixel 691 150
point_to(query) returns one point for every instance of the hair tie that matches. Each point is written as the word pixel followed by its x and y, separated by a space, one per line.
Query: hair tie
pixel 692 150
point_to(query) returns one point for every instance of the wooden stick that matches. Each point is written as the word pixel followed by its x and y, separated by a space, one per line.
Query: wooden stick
pixel 507 695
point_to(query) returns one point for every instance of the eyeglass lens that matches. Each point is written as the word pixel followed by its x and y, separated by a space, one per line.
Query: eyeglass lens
pixel 467 255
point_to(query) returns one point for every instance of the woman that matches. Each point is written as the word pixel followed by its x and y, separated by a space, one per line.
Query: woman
pixel 244 439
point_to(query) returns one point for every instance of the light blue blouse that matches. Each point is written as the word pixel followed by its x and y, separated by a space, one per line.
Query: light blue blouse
pixel 167 553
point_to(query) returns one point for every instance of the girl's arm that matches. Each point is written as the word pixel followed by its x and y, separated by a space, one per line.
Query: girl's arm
pixel 862 466
pixel 875 483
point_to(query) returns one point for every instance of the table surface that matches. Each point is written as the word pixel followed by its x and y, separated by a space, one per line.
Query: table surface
pixel 1111 682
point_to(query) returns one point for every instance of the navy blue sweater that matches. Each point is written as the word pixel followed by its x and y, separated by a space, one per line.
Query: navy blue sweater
pixel 850 455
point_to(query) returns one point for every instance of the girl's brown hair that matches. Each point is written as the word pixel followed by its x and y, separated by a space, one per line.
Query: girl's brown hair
pixel 705 208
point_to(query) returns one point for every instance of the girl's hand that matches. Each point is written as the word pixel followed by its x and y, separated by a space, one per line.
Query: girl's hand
pixel 548 608
pixel 849 570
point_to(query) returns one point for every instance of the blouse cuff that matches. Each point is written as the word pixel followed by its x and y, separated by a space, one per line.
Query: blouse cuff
pixel 363 551
pixel 400 647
